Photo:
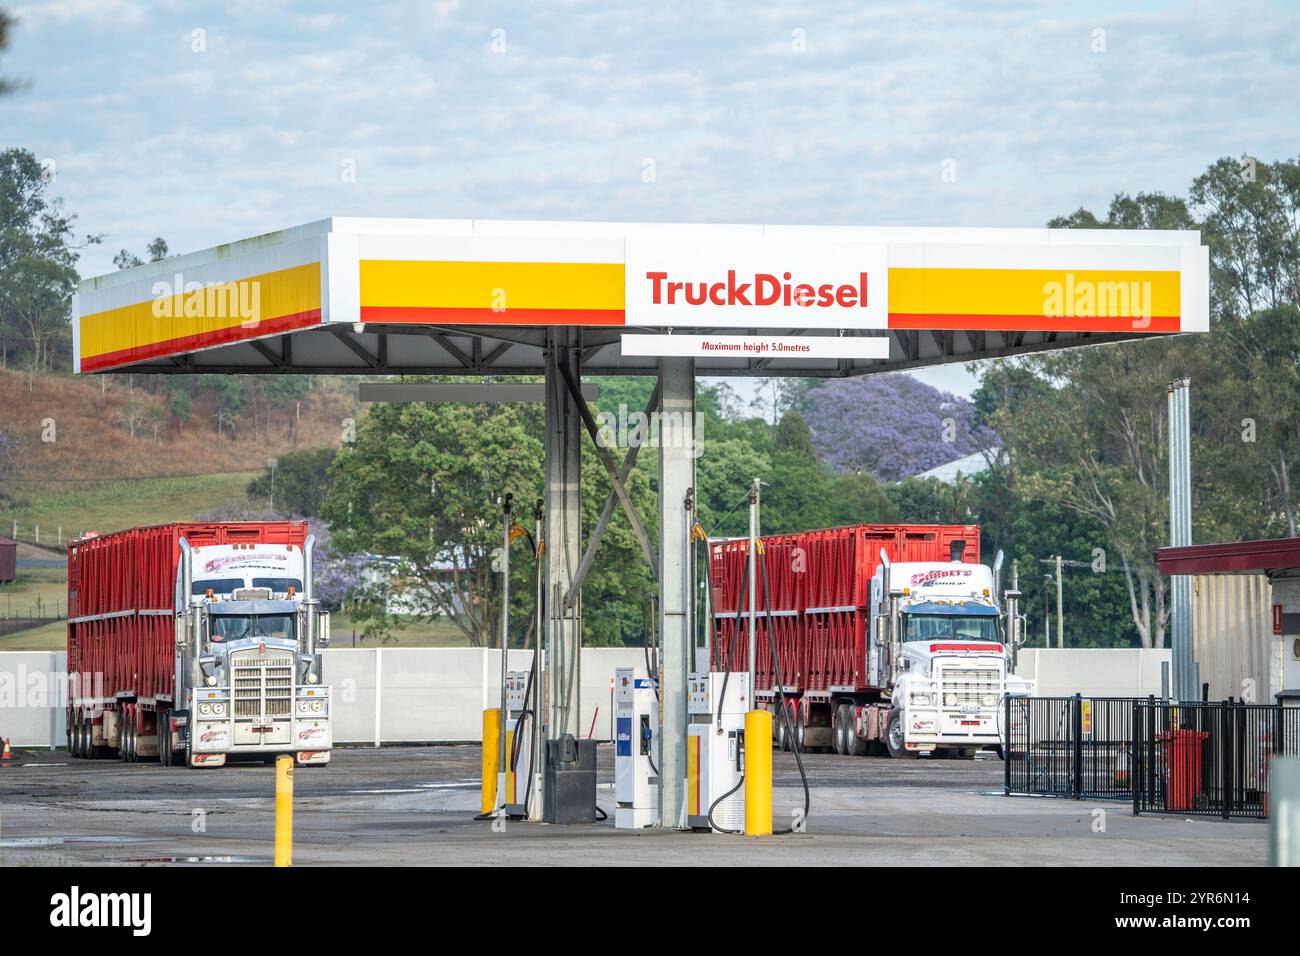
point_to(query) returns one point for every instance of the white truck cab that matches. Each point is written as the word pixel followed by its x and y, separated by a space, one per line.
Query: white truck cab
pixel 941 649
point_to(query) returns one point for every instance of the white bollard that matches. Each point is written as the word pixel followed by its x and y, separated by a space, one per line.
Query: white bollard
pixel 1284 811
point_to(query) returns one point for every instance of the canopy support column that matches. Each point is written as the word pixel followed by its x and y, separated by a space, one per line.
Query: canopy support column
pixel 677 453
pixel 563 519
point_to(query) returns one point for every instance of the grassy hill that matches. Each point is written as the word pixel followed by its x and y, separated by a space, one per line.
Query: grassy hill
pixel 101 454
pixel 117 461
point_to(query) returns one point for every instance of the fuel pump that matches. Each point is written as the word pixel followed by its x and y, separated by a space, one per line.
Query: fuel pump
pixel 518 750
pixel 636 748
pixel 715 759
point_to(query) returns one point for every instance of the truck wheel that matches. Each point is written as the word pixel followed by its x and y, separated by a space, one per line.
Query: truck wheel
pixel 837 723
pixel 799 733
pixel 163 718
pixel 854 745
pixel 782 734
pixel 74 737
pixel 967 753
pixel 894 738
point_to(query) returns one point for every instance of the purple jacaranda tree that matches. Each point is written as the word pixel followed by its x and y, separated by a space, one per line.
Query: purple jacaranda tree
pixel 891 426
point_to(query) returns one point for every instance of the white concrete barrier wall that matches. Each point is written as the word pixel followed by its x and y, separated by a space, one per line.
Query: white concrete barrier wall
pixel 381 695
pixel 33 694
pixel 1093 672
pixel 436 694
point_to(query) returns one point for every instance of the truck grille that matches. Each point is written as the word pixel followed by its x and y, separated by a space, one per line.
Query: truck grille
pixel 262 684
pixel 969 686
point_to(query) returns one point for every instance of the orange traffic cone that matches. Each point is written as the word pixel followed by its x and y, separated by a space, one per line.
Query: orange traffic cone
pixel 4 757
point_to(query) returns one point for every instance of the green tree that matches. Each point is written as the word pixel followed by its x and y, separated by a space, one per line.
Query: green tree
pixel 7 85
pixel 418 485
pixel 302 482
pixel 798 491
pixel 38 257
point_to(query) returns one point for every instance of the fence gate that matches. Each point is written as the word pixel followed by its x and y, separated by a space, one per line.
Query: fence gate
pixel 1069 746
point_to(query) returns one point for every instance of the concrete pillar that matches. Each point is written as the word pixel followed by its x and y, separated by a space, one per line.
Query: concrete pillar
pixel 563 520
pixel 677 453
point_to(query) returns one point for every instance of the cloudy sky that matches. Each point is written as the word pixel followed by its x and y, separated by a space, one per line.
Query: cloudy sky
pixel 204 123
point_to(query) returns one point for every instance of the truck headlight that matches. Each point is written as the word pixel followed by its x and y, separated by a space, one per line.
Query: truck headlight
pixel 205 709
pixel 919 699
pixel 950 700
pixel 989 700
pixel 211 680
pixel 318 706
pixel 304 707
pixel 219 710
pixel 311 677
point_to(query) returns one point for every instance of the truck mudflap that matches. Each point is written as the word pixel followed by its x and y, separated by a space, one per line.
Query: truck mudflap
pixel 207 760
pixel 313 758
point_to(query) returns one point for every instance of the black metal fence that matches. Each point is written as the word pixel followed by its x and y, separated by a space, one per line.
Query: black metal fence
pixel 1209 758
pixel 1069 746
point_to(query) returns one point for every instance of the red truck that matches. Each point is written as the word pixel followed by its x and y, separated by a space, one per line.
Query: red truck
pixel 190 642
pixel 887 637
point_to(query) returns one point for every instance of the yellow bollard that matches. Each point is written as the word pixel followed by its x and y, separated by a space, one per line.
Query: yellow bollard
pixel 284 811
pixel 758 773
pixel 491 759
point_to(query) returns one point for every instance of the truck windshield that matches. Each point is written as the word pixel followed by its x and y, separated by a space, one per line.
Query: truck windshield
pixel 278 585
pixel 234 627
pixel 952 627
pixel 223 587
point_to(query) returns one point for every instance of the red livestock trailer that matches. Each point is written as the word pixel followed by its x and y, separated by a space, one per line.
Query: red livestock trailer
pixel 819 584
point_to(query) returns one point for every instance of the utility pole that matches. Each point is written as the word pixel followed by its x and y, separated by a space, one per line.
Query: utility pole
pixel 1060 608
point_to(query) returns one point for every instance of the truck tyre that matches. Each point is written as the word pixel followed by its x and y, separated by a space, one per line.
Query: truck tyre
pixel 894 738
pixel 967 753
pixel 837 724
pixel 782 732
pixel 164 738
pixel 797 744
pixel 74 737
pixel 854 745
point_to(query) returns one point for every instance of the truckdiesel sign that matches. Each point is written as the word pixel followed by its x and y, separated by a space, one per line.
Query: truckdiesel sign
pixel 748 284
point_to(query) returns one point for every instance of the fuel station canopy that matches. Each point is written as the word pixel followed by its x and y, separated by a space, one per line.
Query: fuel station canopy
pixel 562 300
pixel 457 297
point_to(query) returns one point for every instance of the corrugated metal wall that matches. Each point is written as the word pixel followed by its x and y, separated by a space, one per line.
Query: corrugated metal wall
pixel 1232 634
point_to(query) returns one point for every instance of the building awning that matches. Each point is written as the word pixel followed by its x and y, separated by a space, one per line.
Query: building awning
pixel 1241 557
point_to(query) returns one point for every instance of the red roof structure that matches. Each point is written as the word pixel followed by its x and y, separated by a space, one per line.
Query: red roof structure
pixel 1241 557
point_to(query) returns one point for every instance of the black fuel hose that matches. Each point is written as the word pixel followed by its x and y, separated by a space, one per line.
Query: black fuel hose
pixel 785 711
pixel 722 696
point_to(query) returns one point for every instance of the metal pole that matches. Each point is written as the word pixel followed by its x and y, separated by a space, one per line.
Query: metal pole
pixel 562 518
pixel 505 646
pixel 1060 607
pixel 752 647
pixel 1180 535
pixel 539 673
pixel 677 454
